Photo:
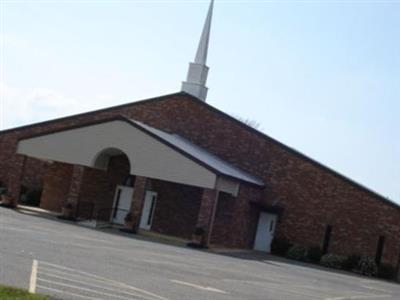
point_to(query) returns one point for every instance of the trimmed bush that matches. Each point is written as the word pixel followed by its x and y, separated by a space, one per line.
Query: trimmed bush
pixel 351 262
pixel 386 271
pixel 314 254
pixel 333 261
pixel 280 246
pixel 367 266
pixel 297 252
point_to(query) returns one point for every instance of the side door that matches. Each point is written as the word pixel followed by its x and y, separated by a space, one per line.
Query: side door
pixel 148 210
pixel 122 204
pixel 265 231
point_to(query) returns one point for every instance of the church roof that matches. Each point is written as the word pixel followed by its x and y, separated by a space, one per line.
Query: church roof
pixel 201 155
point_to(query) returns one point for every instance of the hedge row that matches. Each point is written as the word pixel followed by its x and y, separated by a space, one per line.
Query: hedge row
pixel 355 263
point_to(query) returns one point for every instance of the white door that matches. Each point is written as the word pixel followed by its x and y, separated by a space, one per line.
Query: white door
pixel 122 204
pixel 265 232
pixel 148 210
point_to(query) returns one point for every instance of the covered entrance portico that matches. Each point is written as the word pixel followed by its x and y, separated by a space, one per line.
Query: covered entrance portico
pixel 119 159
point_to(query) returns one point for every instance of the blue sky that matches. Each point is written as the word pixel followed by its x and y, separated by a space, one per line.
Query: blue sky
pixel 320 76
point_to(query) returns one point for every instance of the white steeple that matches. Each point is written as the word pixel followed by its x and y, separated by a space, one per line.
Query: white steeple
pixel 195 83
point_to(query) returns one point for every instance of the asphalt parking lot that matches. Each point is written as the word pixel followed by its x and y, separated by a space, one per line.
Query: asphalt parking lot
pixel 74 262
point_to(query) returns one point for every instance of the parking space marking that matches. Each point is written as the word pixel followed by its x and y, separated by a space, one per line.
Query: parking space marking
pixel 88 281
pixel 373 288
pixel 360 297
pixel 302 290
pixel 146 295
pixel 89 284
pixel 68 293
pixel 48 271
pixel 33 279
pixel 204 288
pixel 75 287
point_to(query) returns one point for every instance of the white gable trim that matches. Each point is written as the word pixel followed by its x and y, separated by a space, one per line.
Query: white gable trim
pixel 148 156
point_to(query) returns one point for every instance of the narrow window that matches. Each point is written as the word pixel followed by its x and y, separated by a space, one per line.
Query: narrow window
pixel 153 202
pixel 271 226
pixel 379 249
pixel 117 203
pixel 327 239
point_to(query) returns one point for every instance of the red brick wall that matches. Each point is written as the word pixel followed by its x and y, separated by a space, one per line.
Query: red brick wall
pixel 56 186
pixel 98 186
pixel 311 196
pixel 236 219
pixel 176 209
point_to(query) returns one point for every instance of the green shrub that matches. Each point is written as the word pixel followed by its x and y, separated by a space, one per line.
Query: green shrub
pixel 297 252
pixel 314 254
pixel 333 261
pixel 367 266
pixel 386 271
pixel 351 262
pixel 280 246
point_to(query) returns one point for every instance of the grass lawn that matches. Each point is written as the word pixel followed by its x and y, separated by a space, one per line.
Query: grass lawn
pixel 10 293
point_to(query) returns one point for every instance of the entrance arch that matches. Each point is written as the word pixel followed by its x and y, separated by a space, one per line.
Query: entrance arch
pixel 102 159
pixel 107 186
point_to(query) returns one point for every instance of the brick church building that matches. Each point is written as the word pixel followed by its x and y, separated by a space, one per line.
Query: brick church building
pixel 175 164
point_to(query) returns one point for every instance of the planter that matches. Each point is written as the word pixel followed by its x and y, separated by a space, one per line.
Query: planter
pixel 128 225
pixel 67 212
pixel 6 201
pixel 197 239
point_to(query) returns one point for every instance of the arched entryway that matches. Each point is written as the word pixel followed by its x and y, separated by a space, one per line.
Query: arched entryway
pixel 107 188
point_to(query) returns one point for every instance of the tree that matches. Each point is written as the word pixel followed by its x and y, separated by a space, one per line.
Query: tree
pixel 249 122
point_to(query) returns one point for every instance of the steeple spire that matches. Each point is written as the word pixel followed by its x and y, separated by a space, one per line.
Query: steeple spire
pixel 195 83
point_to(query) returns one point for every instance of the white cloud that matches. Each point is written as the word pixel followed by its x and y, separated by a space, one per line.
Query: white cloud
pixel 26 106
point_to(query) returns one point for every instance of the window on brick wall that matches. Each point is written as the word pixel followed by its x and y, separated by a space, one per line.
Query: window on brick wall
pixel 379 249
pixel 327 239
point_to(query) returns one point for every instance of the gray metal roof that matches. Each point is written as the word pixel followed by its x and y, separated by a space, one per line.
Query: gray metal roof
pixel 200 154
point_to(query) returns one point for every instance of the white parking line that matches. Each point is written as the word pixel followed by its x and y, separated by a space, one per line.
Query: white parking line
pixel 33 279
pixel 65 270
pixel 91 285
pixel 204 288
pixel 373 288
pixel 68 293
pixel 82 289
pixel 48 271
pixel 360 297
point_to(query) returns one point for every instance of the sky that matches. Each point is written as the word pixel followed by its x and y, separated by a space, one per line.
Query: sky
pixel 322 77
